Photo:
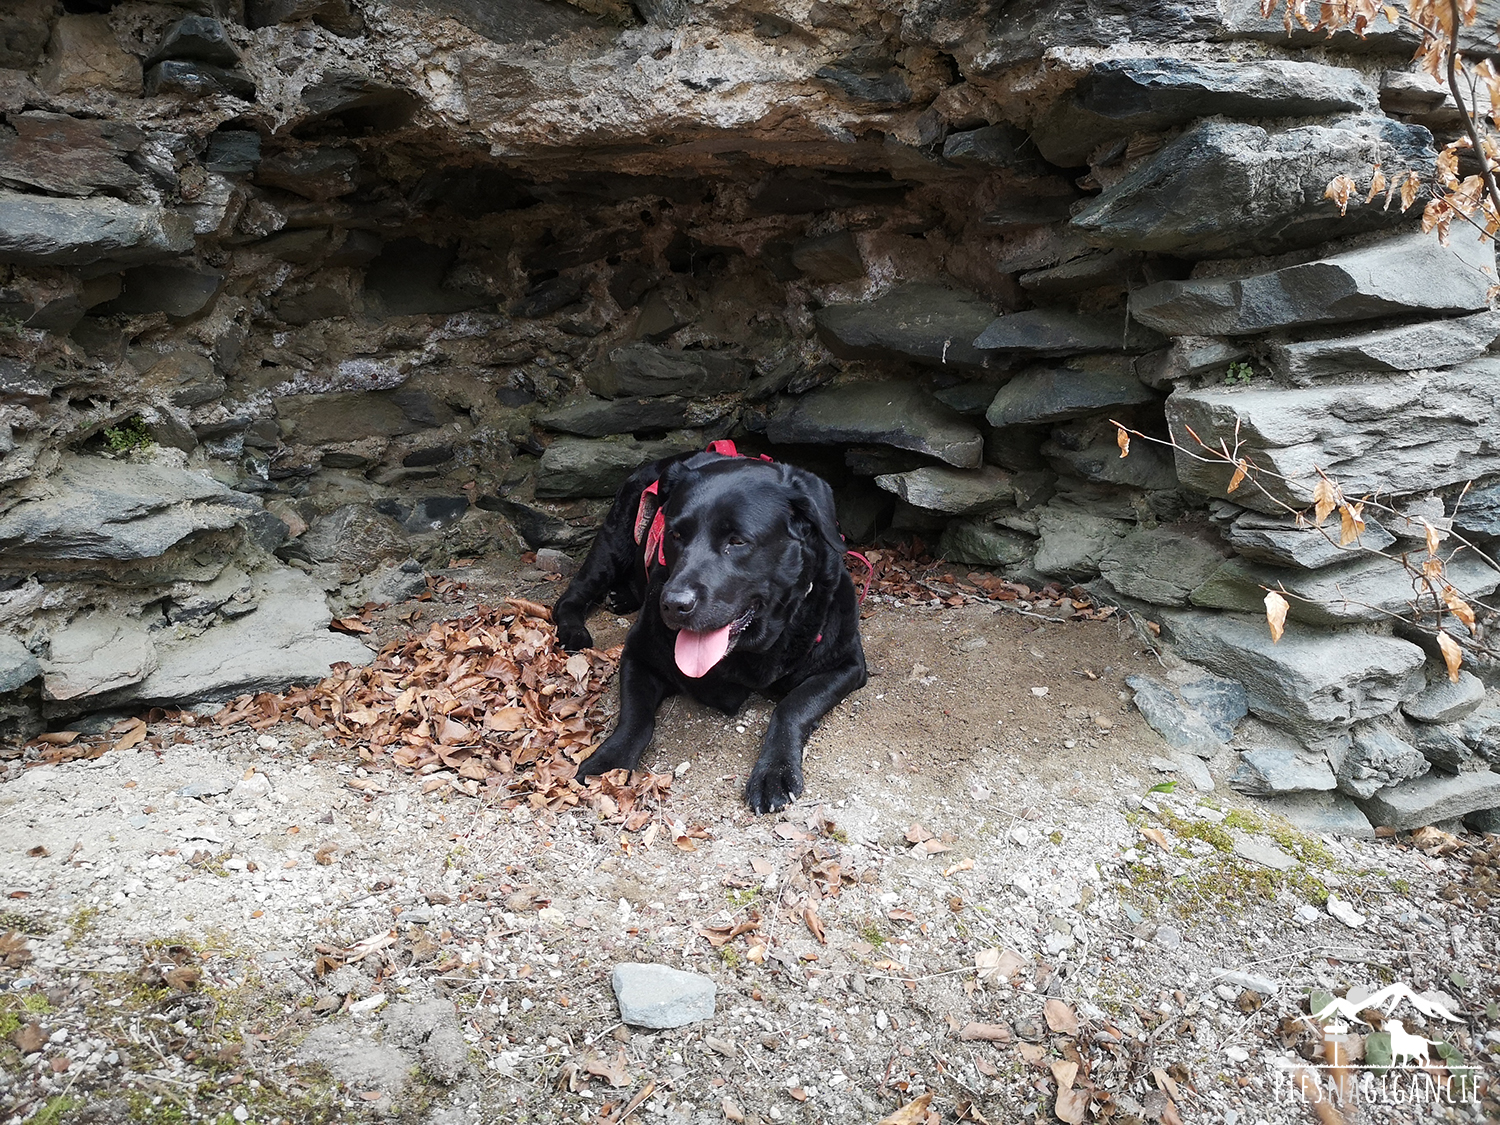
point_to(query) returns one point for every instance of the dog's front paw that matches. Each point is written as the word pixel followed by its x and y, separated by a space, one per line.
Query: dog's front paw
pixel 773 786
pixel 574 636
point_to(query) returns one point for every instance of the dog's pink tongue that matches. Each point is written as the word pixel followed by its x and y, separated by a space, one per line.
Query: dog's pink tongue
pixel 698 652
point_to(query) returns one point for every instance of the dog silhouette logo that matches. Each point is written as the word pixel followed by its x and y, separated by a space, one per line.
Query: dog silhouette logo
pixel 1406 1046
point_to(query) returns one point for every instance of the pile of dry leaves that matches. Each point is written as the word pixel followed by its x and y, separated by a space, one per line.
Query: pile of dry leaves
pixel 907 572
pixel 488 702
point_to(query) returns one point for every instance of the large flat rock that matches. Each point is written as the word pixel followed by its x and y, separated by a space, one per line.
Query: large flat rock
pixel 1060 332
pixel 573 467
pixel 42 230
pixel 1055 392
pixel 1406 347
pixel 1159 565
pixel 1432 798
pixel 657 996
pixel 1123 96
pixel 96 653
pixel 922 322
pixel 888 412
pixel 1364 589
pixel 1268 771
pixel 1225 186
pixel 594 417
pixel 1405 274
pixel 93 508
pixel 1308 682
pixel 648 370
pixel 959 492
pixel 1396 436
pixel 1280 541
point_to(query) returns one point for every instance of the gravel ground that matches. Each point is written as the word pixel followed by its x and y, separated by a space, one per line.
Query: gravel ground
pixel 980 897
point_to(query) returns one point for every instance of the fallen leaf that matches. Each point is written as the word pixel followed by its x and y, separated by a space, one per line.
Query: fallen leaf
pixel 731 1111
pixel 1071 1106
pixel 37 852
pixel 916 834
pixel 798 1093
pixel 961 865
pixel 1064 1071
pixel 985 1067
pixel 912 1113
pixel 1157 837
pixel 29 1037
pixel 815 924
pixel 1031 1053
pixel 1060 1017
pixel 898 915
pixel 615 1072
pixel 14 949
pixel 999 964
pixel 1453 656
pixel 987 1033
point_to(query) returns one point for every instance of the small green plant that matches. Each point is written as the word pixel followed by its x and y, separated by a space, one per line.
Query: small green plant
pixel 129 435
pixel 872 934
pixel 1239 374
pixel 729 955
pixel 36 1003
pixel 53 1111
pixel 742 898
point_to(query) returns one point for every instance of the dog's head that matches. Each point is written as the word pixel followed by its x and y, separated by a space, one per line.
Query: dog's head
pixel 745 543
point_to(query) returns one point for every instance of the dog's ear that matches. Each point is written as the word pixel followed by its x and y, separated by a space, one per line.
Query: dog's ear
pixel 812 500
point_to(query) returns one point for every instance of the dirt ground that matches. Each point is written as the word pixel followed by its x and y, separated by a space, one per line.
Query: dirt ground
pixel 985 895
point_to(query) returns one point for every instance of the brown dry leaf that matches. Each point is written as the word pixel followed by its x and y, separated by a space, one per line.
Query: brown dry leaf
pixel 57 737
pixel 912 1113
pixel 896 914
pixel 1339 189
pixel 134 736
pixel 1325 499
pixel 731 1111
pixel 985 1067
pixel 815 924
pixel 1122 439
pixel 37 852
pixel 1071 1106
pixel 1432 539
pixel 999 964
pixel 1458 607
pixel 1240 468
pixel 29 1037
pixel 1060 1017
pixel 615 1072
pixel 1031 1053
pixel 916 833
pixel 349 625
pixel 931 847
pixel 325 855
pixel 14 951
pixel 1064 1071
pixel 1351 523
pixel 182 979
pixel 1276 607
pixel 1157 837
pixel 1453 656
pixel 961 865
pixel 987 1033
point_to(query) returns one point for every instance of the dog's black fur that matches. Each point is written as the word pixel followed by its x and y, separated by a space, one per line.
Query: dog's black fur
pixel 749 543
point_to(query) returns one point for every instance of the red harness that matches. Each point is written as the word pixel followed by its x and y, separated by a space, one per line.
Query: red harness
pixel 651 522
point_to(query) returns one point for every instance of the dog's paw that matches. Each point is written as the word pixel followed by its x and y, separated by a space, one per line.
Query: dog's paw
pixel 774 787
pixel 574 637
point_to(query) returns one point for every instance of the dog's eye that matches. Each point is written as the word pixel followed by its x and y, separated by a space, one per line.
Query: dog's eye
pixel 677 535
pixel 734 541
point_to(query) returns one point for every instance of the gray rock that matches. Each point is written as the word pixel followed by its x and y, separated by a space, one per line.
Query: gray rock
pixel 1280 542
pixel 539 528
pixel 184 377
pixel 1406 347
pixel 830 257
pixel 1267 855
pixel 351 415
pixel 1443 701
pixel 993 146
pixel 1025 212
pixel 658 997
pixel 1092 269
pixel 1158 565
pixel 1061 332
pixel 1124 96
pixel 602 417
pixel 1405 273
pixel 353 536
pixel 178 291
pixel 1168 938
pixel 1481 731
pixel 1179 726
pixel 1194 770
pixel 1188 358
pixel 319 174
pixel 984 544
pixel 63 155
pixel 930 324
pixel 896 413
pixel 92 508
pixel 1307 682
pixel 1072 541
pixel 1375 759
pixel 95 654
pixel 430 1030
pixel 197 80
pixel 546 298
pixel 1057 392
pixel 1229 187
pixel 1442 418
pixel 1089 448
pixel 1031 30
pixel 1364 589
pixel 195 37
pixel 17 666
pixel 43 231
pixel 335 15
pixel 285 641
pixel 1433 798
pixel 971 397
pixel 1330 812
pixel 1485 820
pixel 959 492
pixel 1477 514
pixel 1445 749
pixel 234 151
pixel 1247 982
pixel 1242 19
pixel 208 787
pixel 647 370
pixel 1222 704
pixel 1267 771
pixel 352 98
pixel 573 467
pixel 410 277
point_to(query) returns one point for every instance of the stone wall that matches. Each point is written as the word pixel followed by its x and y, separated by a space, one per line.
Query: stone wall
pixel 299 297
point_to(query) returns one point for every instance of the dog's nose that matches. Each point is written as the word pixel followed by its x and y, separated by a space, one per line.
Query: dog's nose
pixel 678 603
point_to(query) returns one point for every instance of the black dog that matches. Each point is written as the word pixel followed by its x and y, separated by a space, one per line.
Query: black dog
pixel 739 566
